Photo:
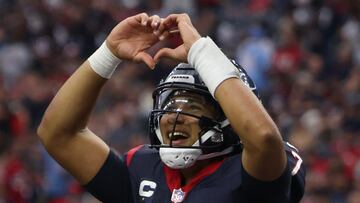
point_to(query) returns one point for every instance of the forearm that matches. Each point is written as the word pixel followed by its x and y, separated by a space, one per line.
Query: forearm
pixel 247 115
pixel 69 111
pixel 240 105
pixel 263 154
pixel 63 128
pixel 263 148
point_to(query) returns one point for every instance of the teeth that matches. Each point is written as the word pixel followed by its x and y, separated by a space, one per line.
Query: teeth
pixel 177 134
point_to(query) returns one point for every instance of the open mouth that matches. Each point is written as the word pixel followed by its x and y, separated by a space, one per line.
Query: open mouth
pixel 178 138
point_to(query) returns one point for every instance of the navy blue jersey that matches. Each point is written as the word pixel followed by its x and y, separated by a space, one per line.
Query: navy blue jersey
pixel 140 176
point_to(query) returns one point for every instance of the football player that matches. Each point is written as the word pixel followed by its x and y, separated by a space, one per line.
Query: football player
pixel 211 138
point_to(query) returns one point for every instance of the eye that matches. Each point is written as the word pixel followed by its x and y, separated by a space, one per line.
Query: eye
pixel 195 108
pixel 171 106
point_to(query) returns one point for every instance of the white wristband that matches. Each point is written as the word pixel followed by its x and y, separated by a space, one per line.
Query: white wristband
pixel 211 63
pixel 103 61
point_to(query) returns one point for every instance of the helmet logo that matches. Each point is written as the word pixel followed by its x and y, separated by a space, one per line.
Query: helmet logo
pixel 181 78
pixel 217 138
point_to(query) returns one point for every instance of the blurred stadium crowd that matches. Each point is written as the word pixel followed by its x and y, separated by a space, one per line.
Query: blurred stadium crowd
pixel 304 56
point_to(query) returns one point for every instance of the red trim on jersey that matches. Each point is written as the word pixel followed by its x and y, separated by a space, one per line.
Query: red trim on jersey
pixel 173 176
pixel 131 153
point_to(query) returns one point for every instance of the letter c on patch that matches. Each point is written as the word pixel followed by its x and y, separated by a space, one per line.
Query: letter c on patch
pixel 147 188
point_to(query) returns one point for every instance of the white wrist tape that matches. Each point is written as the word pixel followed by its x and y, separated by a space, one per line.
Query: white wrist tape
pixel 211 63
pixel 103 61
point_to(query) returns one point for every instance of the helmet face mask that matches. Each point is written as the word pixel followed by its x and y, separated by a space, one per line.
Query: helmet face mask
pixel 185 114
pixel 184 96
pixel 189 103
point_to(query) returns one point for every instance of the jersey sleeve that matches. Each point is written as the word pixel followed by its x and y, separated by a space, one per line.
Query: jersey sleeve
pixel 112 182
pixel 289 187
pixel 266 191
pixel 298 173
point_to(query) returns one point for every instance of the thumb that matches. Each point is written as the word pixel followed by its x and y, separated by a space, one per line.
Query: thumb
pixel 165 53
pixel 146 58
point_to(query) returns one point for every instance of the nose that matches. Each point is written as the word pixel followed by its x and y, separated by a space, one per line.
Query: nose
pixel 173 118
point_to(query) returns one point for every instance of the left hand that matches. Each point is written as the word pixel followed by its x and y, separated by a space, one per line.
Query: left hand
pixel 130 39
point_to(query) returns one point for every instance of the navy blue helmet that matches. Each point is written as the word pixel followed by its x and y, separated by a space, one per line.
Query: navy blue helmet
pixel 216 136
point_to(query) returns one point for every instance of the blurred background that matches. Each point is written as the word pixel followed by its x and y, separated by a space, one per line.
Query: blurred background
pixel 304 56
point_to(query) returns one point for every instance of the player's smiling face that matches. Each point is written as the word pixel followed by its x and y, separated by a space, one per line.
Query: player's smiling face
pixel 187 128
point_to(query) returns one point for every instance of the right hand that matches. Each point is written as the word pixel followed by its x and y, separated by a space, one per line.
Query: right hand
pixel 130 39
pixel 188 33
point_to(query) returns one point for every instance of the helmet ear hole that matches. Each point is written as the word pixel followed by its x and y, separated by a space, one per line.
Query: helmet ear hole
pixel 205 122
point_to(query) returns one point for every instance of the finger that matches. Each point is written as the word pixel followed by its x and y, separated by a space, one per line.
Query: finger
pixel 142 18
pixel 155 21
pixel 146 58
pixel 161 28
pixel 171 18
pixel 175 18
pixel 165 53
pixel 164 35
pixel 168 23
pixel 177 21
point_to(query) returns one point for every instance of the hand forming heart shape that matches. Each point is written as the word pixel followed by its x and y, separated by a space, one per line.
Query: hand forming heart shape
pixel 130 39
